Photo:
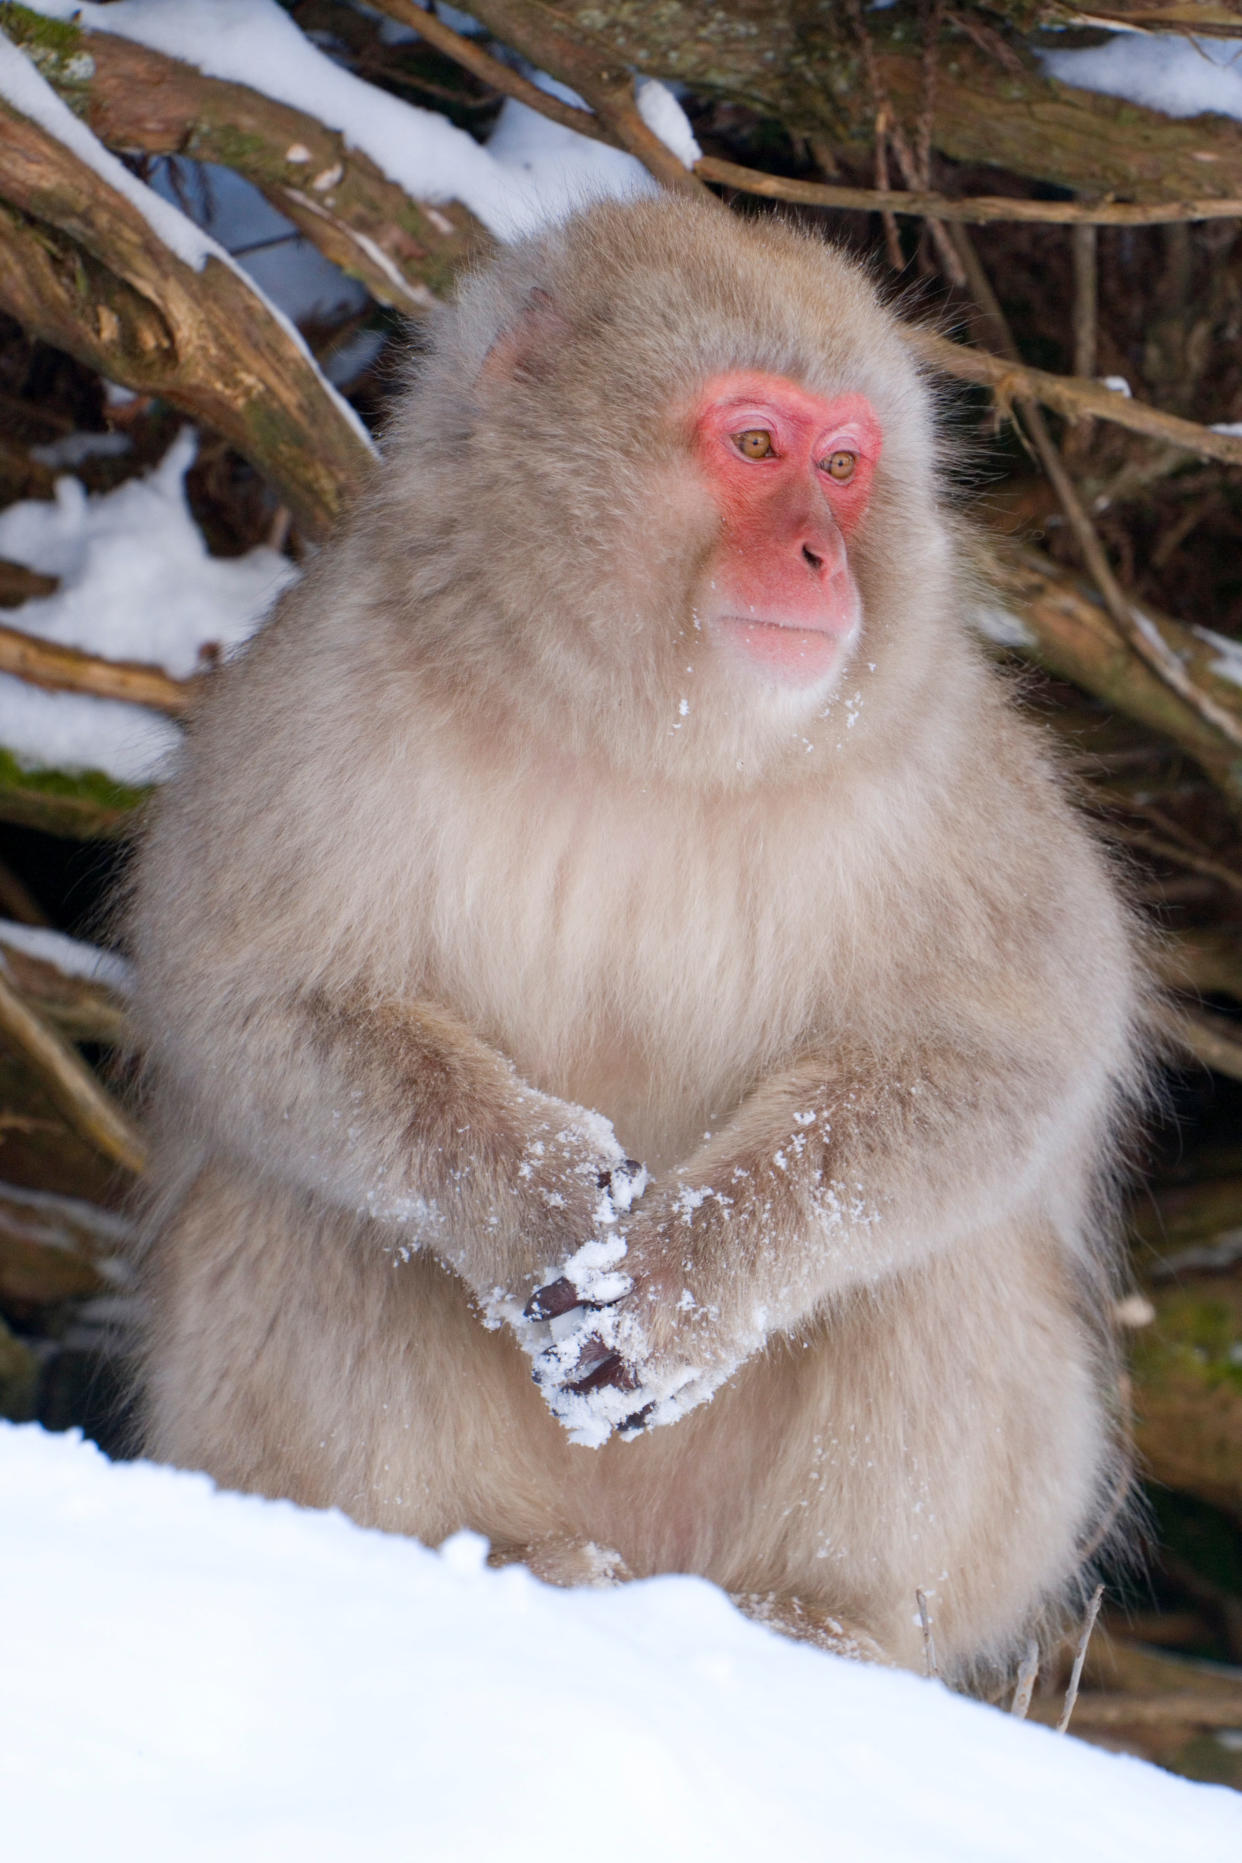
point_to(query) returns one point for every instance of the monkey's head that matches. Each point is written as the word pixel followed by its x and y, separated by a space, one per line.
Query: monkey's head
pixel 674 472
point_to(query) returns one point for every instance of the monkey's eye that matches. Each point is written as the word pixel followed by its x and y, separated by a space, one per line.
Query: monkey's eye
pixel 839 466
pixel 755 443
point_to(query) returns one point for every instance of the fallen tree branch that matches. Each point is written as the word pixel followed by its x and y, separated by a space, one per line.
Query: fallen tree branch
pixel 89 1108
pixel 1062 629
pixel 977 210
pixel 1069 396
pixel 81 1008
pixel 86 270
pixel 66 669
pixel 133 98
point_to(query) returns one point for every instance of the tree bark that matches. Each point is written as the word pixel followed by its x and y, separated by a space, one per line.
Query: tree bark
pixel 404 252
pixel 85 271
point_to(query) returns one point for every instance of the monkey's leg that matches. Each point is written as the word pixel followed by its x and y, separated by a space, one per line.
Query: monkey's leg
pixel 810 1623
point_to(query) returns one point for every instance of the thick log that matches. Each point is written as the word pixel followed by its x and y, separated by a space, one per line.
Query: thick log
pixel 1065 631
pixel 85 270
pixel 1187 1369
pixel 404 252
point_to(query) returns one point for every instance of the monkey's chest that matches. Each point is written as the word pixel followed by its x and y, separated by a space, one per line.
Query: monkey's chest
pixel 632 966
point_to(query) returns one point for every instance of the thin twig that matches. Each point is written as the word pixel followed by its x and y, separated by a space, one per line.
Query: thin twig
pixel 1080 1657
pixel 1175 852
pixel 65 669
pixel 1086 239
pixel 1211 1039
pixel 1027 1673
pixel 888 127
pixel 1069 396
pixel 86 1104
pixel 1129 620
pixel 976 209
pixel 883 119
pixel 930 1667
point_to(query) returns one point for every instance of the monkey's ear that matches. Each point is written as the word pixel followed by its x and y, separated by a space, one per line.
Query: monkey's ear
pixel 527 349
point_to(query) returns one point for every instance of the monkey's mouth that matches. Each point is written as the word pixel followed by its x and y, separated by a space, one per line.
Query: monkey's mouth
pixel 789 651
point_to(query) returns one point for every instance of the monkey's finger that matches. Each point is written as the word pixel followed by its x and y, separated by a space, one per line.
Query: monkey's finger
pixel 609 1370
pixel 612 1175
pixel 548 1303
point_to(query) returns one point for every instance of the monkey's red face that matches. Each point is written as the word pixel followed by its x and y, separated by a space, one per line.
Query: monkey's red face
pixel 791 475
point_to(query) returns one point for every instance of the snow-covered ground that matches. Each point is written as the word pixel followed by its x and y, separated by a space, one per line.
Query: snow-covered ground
pixel 190 1675
pixel 136 583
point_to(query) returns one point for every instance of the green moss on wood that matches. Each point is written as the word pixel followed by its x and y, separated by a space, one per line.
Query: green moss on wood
pixel 54 47
pixel 83 804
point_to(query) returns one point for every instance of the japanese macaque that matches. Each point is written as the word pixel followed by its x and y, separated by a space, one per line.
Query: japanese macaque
pixel 637 1037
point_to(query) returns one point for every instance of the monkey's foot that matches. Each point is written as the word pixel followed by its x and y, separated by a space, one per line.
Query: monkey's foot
pixel 566 1562
pixel 810 1623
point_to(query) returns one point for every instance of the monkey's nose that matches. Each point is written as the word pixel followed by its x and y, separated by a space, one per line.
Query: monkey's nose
pixel 813 562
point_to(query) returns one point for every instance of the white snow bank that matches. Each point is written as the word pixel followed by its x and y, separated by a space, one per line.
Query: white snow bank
pixel 1178 75
pixel 137 583
pixel 515 183
pixel 193 1675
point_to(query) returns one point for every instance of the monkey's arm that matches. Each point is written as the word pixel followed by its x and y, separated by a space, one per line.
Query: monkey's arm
pixel 830 1176
pixel 400 1114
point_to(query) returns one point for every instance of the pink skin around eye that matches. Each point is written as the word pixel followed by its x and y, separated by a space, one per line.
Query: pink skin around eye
pixel 779 589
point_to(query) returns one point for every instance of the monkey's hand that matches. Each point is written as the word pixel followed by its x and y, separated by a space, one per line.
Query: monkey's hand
pixel 603 1192
pixel 628 1344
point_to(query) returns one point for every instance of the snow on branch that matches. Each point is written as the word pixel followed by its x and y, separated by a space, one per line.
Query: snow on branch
pixel 103 268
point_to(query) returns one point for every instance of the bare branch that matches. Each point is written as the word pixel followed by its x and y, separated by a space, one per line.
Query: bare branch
pixel 1212 1040
pixel 1073 398
pixel 1028 1671
pixel 65 669
pixel 1080 1657
pixel 1073 637
pixel 973 209
pixel 89 1108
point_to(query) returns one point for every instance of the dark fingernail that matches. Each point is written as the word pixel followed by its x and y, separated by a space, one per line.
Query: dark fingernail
pixel 548 1303
pixel 611 1371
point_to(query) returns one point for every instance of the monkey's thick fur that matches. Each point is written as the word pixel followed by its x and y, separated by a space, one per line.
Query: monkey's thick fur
pixel 479 833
